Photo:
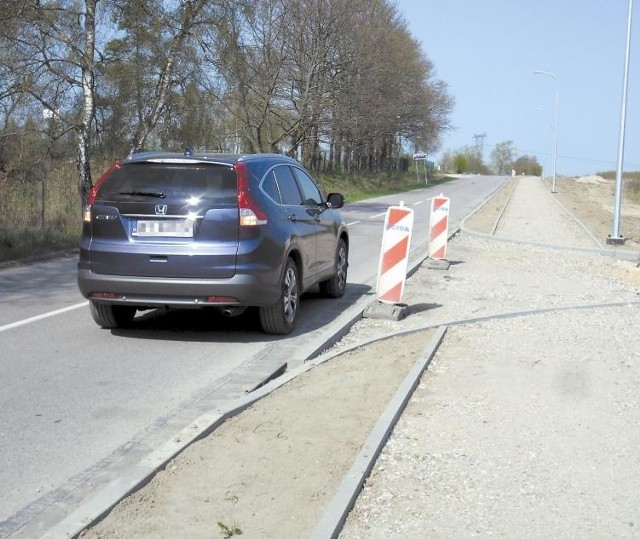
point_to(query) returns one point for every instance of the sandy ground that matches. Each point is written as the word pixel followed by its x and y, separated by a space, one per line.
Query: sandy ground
pixel 271 471
pixel 591 199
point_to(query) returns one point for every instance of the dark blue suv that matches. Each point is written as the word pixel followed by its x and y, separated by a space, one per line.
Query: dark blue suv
pixel 166 230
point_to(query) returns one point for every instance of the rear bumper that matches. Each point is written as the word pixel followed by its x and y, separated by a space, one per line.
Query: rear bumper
pixel 246 290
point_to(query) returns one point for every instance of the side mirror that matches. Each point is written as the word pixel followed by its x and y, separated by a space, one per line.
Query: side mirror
pixel 335 200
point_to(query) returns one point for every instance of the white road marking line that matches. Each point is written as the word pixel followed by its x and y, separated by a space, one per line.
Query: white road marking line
pixel 378 215
pixel 42 316
pixel 354 223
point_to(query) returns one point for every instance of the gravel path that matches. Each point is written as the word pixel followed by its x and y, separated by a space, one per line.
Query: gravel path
pixel 525 425
pixel 551 226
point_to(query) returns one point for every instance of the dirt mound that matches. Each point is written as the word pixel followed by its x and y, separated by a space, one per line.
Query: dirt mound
pixel 591 179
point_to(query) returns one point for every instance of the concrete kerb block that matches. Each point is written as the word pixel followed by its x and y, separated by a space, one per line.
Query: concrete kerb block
pixel 431 263
pixel 386 311
pixel 336 512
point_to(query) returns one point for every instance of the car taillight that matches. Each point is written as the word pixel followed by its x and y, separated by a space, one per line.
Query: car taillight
pixel 251 214
pixel 94 190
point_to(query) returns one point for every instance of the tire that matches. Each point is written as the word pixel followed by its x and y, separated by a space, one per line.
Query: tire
pixel 280 318
pixel 335 287
pixel 112 316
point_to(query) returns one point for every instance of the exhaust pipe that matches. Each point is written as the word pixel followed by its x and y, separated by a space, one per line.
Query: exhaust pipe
pixel 231 312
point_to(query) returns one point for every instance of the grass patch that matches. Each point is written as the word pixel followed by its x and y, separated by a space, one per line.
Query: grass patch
pixel 28 246
pixel 361 187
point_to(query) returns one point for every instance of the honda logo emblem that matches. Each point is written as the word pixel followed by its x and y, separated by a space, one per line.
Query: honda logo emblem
pixel 161 209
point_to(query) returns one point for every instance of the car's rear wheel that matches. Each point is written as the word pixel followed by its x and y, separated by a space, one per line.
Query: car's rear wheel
pixel 334 287
pixel 280 318
pixel 112 316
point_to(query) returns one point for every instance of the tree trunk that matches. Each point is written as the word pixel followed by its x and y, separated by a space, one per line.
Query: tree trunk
pixel 83 130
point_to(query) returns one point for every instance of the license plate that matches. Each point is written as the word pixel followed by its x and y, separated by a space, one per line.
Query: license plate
pixel 167 228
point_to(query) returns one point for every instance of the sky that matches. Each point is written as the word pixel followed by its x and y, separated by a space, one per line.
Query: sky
pixel 487 50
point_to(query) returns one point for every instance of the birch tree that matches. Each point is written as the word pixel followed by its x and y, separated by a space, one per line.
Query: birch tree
pixel 87 74
pixel 52 63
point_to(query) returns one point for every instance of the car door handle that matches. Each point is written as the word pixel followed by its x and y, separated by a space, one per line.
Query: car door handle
pixel 293 217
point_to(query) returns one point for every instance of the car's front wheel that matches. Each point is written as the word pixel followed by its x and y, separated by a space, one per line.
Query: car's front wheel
pixel 280 318
pixel 334 287
pixel 111 316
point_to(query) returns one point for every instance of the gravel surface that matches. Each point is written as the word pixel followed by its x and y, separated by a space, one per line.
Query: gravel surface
pixel 525 425
pixel 552 227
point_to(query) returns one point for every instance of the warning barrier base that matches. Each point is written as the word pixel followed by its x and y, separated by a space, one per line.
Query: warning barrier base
pixel 386 311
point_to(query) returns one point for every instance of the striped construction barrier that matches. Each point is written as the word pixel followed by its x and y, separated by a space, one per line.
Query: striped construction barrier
pixel 438 228
pixel 394 255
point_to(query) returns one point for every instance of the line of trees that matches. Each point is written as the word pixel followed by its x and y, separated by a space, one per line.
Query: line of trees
pixel 503 160
pixel 339 84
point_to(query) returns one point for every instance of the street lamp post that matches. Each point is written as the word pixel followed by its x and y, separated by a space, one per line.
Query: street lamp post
pixel 555 143
pixel 616 238
pixel 544 138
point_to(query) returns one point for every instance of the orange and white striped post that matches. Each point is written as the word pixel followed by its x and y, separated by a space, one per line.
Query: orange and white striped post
pixel 438 228
pixel 394 255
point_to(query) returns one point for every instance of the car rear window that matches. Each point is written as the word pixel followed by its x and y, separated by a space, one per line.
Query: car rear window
pixel 217 182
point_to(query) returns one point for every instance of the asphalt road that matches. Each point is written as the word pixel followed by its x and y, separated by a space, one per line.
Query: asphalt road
pixel 79 404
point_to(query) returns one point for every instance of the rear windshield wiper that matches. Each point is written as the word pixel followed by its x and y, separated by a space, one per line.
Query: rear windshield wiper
pixel 155 194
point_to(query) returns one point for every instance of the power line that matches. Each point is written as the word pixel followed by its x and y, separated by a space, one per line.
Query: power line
pixel 572 158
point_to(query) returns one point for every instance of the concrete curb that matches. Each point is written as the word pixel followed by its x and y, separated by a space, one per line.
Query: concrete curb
pixel 582 225
pixel 620 255
pixel 336 514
